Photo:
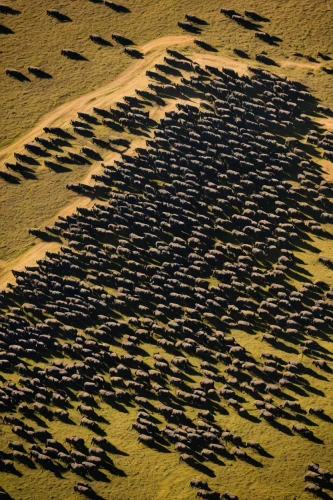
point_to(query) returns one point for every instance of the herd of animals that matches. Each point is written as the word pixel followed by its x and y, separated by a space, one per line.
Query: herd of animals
pixel 60 17
pixel 191 240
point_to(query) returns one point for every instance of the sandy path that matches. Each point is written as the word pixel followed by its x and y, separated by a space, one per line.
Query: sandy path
pixel 132 78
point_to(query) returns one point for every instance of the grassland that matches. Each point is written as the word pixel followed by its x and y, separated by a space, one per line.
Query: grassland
pixel 37 40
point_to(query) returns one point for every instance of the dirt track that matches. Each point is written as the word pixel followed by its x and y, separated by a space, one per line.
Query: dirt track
pixel 132 78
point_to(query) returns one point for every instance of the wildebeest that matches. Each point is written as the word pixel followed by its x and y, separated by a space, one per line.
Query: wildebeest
pixel 75 441
pixel 213 495
pixel 133 53
pixel 77 469
pixel 16 445
pixel 319 412
pixel 185 457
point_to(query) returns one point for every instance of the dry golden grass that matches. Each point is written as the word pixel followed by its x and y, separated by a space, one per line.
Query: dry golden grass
pixel 304 27
pixel 38 40
pixel 153 475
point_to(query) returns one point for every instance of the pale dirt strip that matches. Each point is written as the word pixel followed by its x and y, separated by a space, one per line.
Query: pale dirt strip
pixel 132 78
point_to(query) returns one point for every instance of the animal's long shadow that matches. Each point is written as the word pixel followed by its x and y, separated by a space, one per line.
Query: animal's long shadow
pixel 206 46
pixel 11 179
pixel 282 428
pixel 111 448
pixel 264 453
pixel 201 468
pixel 160 448
pixel 4 30
pixel 44 236
pixel 325 417
pixel 5 495
pixel 100 476
pixel 251 418
pixel 324 495
pixel 257 17
pixel 39 73
pixel 122 9
pixel 255 463
pixel 196 20
pixel 190 28
pixel 24 158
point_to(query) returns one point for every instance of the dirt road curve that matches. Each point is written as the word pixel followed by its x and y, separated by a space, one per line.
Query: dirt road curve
pixel 132 78
pixel 125 84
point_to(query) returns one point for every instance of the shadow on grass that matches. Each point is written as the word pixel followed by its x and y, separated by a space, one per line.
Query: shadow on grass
pixel 5 495
pixel 325 417
pixel 56 167
pixel 118 407
pixel 241 53
pixel 100 476
pixel 114 470
pixel 266 60
pixel 252 461
pixel 304 420
pixel 251 418
pixel 122 9
pixel 158 447
pixel 26 159
pixel 17 75
pixel 201 468
pixel 189 27
pixel 315 439
pixel 196 20
pixel 282 428
pixel 39 73
pixel 11 179
pixel 264 453
pixel 111 448
pixel 4 30
pixel 205 46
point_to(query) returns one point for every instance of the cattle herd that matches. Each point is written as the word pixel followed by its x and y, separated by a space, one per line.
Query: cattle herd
pixel 192 241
